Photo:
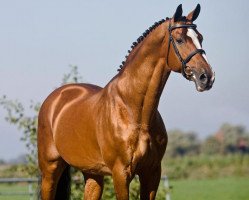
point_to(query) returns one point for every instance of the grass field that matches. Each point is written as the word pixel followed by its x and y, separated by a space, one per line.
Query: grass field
pixel 222 189
pixel 208 189
pixel 13 188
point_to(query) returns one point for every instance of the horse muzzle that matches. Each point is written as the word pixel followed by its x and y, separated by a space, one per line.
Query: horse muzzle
pixel 203 80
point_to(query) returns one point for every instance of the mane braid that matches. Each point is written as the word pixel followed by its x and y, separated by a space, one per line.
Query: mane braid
pixel 140 39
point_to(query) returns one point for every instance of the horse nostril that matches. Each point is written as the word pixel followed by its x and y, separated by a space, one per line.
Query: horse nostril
pixel 203 78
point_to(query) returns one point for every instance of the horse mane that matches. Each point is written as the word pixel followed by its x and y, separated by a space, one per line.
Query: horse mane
pixel 140 39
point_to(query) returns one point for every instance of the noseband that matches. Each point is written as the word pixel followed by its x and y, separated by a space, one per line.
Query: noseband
pixel 171 40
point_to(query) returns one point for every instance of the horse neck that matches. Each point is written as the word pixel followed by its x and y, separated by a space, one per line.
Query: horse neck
pixel 141 81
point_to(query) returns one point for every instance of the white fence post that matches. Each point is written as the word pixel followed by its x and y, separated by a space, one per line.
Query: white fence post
pixel 166 185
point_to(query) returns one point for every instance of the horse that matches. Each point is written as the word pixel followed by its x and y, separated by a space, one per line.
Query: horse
pixel 117 130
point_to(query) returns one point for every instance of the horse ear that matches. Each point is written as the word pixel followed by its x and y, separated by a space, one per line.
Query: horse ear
pixel 178 13
pixel 194 14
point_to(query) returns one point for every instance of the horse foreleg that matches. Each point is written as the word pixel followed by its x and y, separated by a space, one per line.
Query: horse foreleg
pixel 149 181
pixel 93 187
pixel 121 181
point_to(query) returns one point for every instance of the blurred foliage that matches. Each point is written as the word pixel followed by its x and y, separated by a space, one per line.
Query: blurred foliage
pixel 210 146
pixel 108 192
pixel 14 170
pixel 73 76
pixel 206 166
pixel 228 139
pixel 27 124
pixel 180 143
pixel 233 138
pixel 77 184
pixel 2 161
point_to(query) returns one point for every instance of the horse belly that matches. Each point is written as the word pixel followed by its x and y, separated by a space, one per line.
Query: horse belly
pixel 75 137
pixel 77 144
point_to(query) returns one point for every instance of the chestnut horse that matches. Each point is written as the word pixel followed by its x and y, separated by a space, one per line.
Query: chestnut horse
pixel 117 130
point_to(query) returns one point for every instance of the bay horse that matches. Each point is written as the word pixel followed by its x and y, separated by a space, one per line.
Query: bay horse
pixel 117 130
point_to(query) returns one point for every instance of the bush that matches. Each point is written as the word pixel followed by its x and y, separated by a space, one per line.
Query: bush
pixel 206 166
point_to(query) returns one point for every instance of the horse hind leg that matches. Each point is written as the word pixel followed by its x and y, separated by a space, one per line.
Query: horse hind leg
pixel 55 180
pixel 54 170
pixel 149 182
pixel 93 186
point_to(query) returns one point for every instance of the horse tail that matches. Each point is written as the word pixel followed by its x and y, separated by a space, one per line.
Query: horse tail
pixel 64 185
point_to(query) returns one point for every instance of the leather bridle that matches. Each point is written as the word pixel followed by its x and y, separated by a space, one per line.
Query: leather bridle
pixel 171 40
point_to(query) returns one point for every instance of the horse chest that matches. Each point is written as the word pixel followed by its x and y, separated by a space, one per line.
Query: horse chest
pixel 149 150
pixel 144 144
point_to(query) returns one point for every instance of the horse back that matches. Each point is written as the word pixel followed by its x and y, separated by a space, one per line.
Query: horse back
pixel 63 96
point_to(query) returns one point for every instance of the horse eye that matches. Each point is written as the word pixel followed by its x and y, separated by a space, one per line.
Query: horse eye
pixel 179 41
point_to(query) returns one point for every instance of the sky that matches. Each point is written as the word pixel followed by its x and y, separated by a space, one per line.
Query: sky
pixel 40 39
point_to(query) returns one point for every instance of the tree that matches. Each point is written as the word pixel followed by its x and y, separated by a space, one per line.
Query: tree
pixel 232 137
pixel 180 143
pixel 2 162
pixel 27 123
pixel 211 146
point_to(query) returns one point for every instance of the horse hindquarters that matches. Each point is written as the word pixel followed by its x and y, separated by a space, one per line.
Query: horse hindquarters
pixel 51 163
pixel 54 170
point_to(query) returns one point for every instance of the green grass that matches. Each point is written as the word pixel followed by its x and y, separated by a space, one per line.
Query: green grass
pixel 13 188
pixel 222 189
pixel 207 189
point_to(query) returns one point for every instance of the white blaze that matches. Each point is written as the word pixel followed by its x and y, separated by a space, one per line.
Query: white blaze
pixel 191 33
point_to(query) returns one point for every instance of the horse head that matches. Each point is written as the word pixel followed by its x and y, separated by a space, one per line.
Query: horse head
pixel 185 53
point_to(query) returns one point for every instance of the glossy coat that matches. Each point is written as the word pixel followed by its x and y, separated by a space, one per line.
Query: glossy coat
pixel 116 130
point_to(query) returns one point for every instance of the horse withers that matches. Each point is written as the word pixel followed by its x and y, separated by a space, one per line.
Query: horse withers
pixel 117 130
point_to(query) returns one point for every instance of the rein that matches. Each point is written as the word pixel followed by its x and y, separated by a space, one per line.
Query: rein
pixel 171 40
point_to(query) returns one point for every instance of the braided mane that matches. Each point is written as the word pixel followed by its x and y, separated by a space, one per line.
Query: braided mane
pixel 141 38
